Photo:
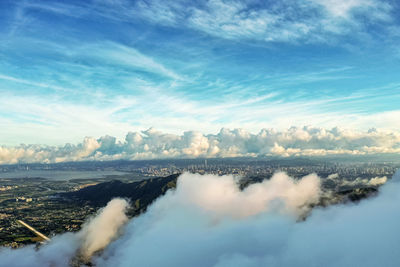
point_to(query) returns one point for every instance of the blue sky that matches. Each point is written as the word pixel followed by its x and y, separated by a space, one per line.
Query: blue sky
pixel 89 68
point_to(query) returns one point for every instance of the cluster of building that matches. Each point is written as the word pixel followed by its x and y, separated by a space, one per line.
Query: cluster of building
pixel 23 199
pixel 7 187
pixel 245 170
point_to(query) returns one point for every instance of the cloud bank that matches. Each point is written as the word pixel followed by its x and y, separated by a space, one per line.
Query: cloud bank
pixel 153 144
pixel 208 221
pixel 183 231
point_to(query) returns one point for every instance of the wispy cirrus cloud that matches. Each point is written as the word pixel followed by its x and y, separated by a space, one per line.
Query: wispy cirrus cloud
pixel 58 118
pixel 108 67
pixel 309 21
pixel 276 21
pixel 95 55
pixel 120 55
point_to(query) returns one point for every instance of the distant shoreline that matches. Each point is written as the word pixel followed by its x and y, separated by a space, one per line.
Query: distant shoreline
pixel 58 174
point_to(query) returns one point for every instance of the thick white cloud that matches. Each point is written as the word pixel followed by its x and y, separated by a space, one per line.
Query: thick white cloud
pixel 179 224
pixel 99 231
pixel 152 144
pixel 221 197
pixel 208 221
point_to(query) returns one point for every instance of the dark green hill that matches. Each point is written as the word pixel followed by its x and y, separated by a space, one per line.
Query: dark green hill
pixel 140 193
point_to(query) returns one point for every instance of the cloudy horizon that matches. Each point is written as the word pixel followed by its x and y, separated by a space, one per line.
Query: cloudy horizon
pixel 227 143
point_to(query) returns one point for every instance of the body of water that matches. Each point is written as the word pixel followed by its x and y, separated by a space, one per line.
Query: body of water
pixel 59 175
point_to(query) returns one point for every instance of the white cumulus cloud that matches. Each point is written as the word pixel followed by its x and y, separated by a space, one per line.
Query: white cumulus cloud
pixel 153 144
